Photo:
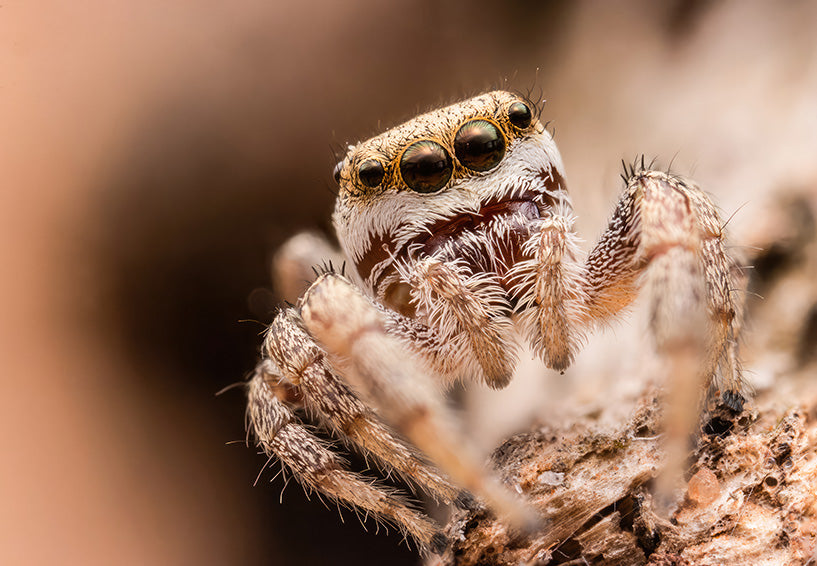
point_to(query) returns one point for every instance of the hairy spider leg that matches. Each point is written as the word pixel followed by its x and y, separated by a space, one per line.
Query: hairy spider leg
pixel 379 366
pixel 666 237
pixel 282 435
pixel 303 364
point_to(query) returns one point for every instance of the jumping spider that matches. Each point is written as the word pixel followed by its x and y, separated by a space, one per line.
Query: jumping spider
pixel 457 227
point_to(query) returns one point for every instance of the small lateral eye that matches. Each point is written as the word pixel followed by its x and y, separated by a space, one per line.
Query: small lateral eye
pixel 479 145
pixel 520 115
pixel 371 172
pixel 425 166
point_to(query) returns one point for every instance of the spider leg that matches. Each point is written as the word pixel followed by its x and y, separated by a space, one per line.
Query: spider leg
pixel 666 236
pixel 303 364
pixel 294 264
pixel 280 434
pixel 377 363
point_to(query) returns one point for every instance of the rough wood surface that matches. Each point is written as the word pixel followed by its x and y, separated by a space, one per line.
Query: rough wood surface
pixel 751 494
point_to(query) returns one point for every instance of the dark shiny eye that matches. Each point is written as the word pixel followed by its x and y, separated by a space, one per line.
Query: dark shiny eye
pixel 425 166
pixel 336 171
pixel 519 114
pixel 371 172
pixel 479 145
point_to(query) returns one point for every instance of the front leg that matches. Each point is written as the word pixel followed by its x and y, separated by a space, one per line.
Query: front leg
pixel 355 334
pixel 666 237
pixel 303 366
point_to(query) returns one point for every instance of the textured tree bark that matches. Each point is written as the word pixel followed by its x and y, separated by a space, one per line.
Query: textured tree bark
pixel 750 494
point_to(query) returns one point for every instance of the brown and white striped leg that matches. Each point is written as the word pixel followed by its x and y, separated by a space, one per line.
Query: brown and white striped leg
pixel 726 289
pixel 666 236
pixel 666 239
pixel 303 364
pixel 355 334
pixel 280 434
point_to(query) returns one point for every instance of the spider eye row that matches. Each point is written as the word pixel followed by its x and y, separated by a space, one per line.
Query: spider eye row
pixel 426 166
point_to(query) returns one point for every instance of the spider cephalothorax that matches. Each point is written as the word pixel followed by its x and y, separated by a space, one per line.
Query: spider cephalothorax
pixel 458 225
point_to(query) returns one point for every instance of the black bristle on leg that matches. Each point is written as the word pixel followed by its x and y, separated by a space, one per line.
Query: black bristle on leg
pixel 465 500
pixel 733 400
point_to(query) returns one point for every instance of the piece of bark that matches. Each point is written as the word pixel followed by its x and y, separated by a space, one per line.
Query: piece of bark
pixel 751 495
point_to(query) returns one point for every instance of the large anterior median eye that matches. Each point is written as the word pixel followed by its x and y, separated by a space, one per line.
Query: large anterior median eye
pixel 479 145
pixel 425 166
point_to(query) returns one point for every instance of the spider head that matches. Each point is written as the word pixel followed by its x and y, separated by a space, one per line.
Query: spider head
pixel 464 183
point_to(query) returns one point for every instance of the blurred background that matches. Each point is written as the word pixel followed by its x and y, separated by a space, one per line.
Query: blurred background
pixel 153 155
